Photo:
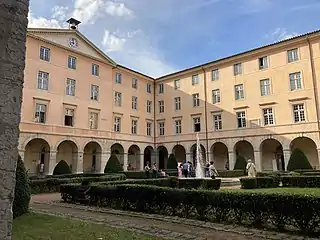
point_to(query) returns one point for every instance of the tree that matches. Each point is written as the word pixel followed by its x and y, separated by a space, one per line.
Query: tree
pixel 113 165
pixel 241 163
pixel 62 168
pixel 13 30
pixel 298 160
pixel 172 162
pixel 22 192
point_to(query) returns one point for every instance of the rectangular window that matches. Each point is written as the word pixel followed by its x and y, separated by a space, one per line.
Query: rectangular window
pixel 298 113
pixel 149 106
pixel 118 78
pixel 69 117
pixel 149 90
pixel 134 126
pixel 45 54
pixel 72 62
pixel 177 103
pixel 93 120
pixel 134 103
pixel 134 83
pixel 217 121
pixel 71 87
pixel 196 124
pixel 293 55
pixel 195 79
pixel 263 63
pixel 149 129
pixel 161 88
pixel 95 69
pixel 241 118
pixel 43 80
pixel 295 81
pixel 216 96
pixel 94 92
pixel 117 99
pixel 237 69
pixel 265 88
pixel 215 74
pixel 161 128
pixel 176 84
pixel 161 106
pixel 177 124
pixel 239 92
pixel 268 116
pixel 196 99
pixel 41 112
pixel 117 124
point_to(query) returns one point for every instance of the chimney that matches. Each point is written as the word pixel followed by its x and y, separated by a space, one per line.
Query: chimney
pixel 73 23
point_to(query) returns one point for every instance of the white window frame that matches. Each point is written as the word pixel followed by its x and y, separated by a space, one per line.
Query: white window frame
pixel 45 54
pixel 265 89
pixel 43 80
pixel 178 126
pixel 41 113
pixel 134 126
pixel 134 103
pixel 263 62
pixel 161 106
pixel 242 115
pixel 195 79
pixel 71 87
pixel 215 74
pixel 196 120
pixel 93 120
pixel 149 106
pixel 295 81
pixel 118 99
pixel 293 55
pixel 216 96
pixel 94 92
pixel 134 83
pixel 95 71
pixel 239 91
pixel 217 121
pixel 268 116
pixel 176 84
pixel 237 69
pixel 149 128
pixel 177 103
pixel 161 128
pixel 196 99
pixel 118 78
pixel 72 62
pixel 117 124
pixel 149 88
pixel 161 88
pixel 299 113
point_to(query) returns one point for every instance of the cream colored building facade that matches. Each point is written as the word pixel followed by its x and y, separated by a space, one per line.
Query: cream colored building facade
pixel 80 106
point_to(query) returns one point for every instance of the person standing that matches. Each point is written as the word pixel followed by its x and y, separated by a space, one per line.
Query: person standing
pixel 180 169
pixel 186 169
pixel 154 170
pixel 251 169
pixel 213 171
pixel 147 170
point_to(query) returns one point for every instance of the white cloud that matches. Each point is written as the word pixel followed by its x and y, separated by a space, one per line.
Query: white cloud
pixel 117 9
pixel 87 11
pixel 133 49
pixel 41 22
pixel 282 34
pixel 60 13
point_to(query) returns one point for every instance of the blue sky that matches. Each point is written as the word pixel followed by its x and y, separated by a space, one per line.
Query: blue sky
pixel 157 37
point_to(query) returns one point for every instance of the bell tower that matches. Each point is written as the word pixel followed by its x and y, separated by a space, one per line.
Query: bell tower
pixel 73 23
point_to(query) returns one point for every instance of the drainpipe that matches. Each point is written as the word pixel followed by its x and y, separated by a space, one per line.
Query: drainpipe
pixel 154 121
pixel 315 85
pixel 206 113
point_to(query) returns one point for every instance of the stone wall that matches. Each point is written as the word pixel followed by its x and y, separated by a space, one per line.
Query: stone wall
pixel 13 28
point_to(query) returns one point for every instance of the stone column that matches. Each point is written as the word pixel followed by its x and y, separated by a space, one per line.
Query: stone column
pixel 21 153
pixel 154 159
pixel 318 166
pixel 257 160
pixel 189 157
pixel 232 160
pixel 286 156
pixel 210 157
pixel 77 162
pixel 142 162
pixel 50 165
pixel 13 29
pixel 125 161
pixel 104 157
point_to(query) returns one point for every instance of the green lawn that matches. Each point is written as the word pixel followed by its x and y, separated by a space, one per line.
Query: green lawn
pixel 309 191
pixel 44 227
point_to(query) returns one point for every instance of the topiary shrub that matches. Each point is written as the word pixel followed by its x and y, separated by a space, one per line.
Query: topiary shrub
pixel 22 191
pixel 113 165
pixel 241 163
pixel 298 161
pixel 172 162
pixel 62 168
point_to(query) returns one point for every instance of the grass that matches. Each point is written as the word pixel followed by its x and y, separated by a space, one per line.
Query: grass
pixel 44 227
pixel 303 191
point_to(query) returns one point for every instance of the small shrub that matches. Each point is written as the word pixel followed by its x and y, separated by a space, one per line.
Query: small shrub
pixel 113 165
pixel 301 181
pixel 298 160
pixel 241 163
pixel 62 168
pixel 231 173
pixel 135 174
pixel 22 191
pixel 172 162
pixel 248 183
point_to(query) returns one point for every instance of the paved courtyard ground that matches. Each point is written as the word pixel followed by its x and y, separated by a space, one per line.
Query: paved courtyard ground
pixel 155 225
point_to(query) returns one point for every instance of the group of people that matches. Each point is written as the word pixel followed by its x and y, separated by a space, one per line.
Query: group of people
pixel 187 170
pixel 154 172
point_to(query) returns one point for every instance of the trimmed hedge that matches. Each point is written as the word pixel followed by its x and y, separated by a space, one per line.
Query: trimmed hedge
pixel 113 165
pixel 298 160
pixel 72 175
pixel 172 162
pixel 301 181
pixel 259 182
pixel 50 185
pixel 62 168
pixel 283 211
